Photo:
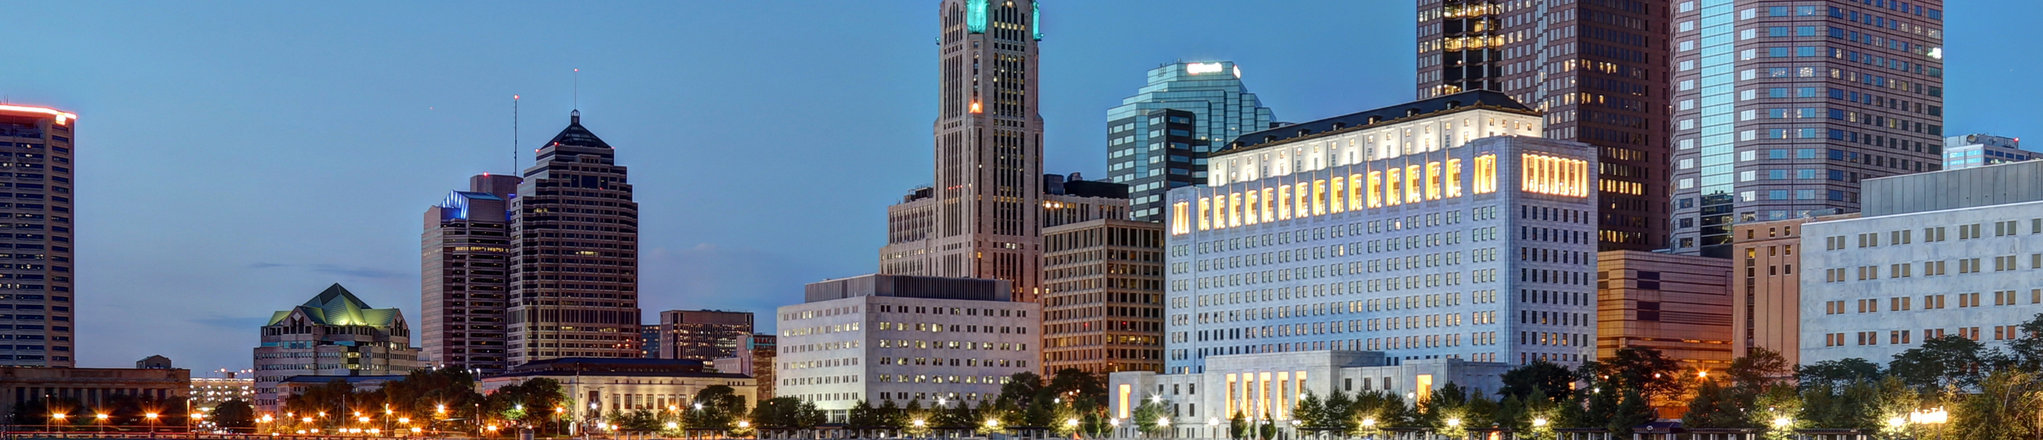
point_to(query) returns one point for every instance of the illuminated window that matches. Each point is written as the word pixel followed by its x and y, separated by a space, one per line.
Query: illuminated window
pixel 1268 214
pixel 1334 195
pixel 1432 181
pixel 1283 202
pixel 1486 174
pixel 1354 192
pixel 1453 178
pixel 1412 178
pixel 1375 189
pixel 1249 215
pixel 1205 205
pixel 1178 220
pixel 1302 206
pixel 1391 195
pixel 1319 196
pixel 1219 211
pixel 1554 175
pixel 1234 209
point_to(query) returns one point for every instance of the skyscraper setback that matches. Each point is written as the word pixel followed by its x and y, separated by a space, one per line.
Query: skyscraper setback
pixel 980 218
pixel 1781 108
pixel 1158 138
pixel 1596 68
pixel 574 247
pixel 465 267
pixel 37 142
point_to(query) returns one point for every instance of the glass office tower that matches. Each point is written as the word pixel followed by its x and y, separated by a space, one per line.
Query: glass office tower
pixel 1158 139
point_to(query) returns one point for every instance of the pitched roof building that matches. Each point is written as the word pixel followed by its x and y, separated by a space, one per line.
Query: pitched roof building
pixel 333 334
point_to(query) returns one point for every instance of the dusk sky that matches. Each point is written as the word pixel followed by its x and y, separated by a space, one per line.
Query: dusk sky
pixel 235 158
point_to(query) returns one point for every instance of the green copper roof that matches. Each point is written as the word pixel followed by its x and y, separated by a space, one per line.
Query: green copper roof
pixel 975 16
pixel 337 306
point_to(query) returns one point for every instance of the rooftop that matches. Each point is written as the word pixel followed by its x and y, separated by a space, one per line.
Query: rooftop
pixel 337 306
pixel 1470 100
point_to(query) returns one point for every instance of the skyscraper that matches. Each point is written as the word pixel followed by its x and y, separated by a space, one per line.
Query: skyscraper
pixel 1158 139
pixel 464 272
pixel 1597 69
pixel 333 334
pixel 1781 108
pixel 574 265
pixel 979 220
pixel 702 335
pixel 38 253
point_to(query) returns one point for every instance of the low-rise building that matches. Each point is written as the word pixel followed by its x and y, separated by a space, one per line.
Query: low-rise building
pixel 333 334
pixel 1978 150
pixel 702 335
pixel 1270 385
pixel 92 387
pixel 1948 253
pixel 208 392
pixel 603 386
pixel 897 338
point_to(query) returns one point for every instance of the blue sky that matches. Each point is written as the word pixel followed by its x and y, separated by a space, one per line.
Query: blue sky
pixel 237 157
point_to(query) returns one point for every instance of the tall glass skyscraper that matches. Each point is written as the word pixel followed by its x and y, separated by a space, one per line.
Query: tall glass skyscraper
pixel 1782 107
pixel 1158 139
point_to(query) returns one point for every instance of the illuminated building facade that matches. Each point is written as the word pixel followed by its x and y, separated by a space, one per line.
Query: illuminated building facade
pixel 1596 69
pixel 1158 139
pixel 1272 384
pixel 979 220
pixel 333 334
pixel 38 329
pixel 702 335
pixel 1781 108
pixel 574 247
pixel 1074 200
pixel 464 274
pixel 1978 150
pixel 209 392
pixel 880 338
pixel 1437 229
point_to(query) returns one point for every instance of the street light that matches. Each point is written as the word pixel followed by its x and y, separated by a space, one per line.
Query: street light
pixel 1539 422
pixel 101 420
pixel 152 423
pixel 1782 422
pixel 55 417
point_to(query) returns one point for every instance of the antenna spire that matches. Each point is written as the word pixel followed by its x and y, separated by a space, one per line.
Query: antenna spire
pixel 578 88
pixel 514 134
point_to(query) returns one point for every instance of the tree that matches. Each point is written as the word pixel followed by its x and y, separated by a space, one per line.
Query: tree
pixel 1021 389
pixel 777 413
pixel 1151 417
pixel 532 402
pixel 1715 406
pixel 2007 406
pixel 1336 413
pixel 1759 368
pixel 1237 426
pixel 1633 409
pixel 1646 370
pixel 719 411
pixel 233 414
pixel 638 421
pixel 1776 411
pixel 1837 373
pixel 1311 414
pixel 808 417
pixel 2025 352
pixel 1377 409
pixel 1552 380
pixel 1940 363
pixel 863 417
pixel 1086 391
pixel 1266 428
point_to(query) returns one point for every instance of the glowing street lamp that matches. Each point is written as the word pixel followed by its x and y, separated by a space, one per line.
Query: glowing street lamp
pixel 919 424
pixel 1539 422
pixel 1369 422
pixel 1782 422
pixel 1454 423
pixel 152 421
pixel 1163 422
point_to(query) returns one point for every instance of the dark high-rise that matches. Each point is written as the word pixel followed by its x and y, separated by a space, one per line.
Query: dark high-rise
pixel 464 271
pixel 1596 68
pixel 35 254
pixel 1782 107
pixel 574 264
pixel 980 218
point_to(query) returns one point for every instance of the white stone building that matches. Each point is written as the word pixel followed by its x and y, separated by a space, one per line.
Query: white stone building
pixel 903 338
pixel 1949 253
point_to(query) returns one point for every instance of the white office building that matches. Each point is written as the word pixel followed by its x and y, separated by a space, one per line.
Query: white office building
pixel 903 338
pixel 1402 248
pixel 1949 253
pixel 1978 150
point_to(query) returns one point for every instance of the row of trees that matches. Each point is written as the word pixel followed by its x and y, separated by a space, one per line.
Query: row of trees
pixel 446 399
pixel 1070 401
pixel 1946 386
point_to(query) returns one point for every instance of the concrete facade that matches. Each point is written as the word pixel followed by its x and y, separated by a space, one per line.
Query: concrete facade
pixel 1462 240
pixel 1921 268
pixel 37 329
pixel 1679 305
pixel 885 337
pixel 1766 299
pixel 614 385
pixel 464 257
pixel 574 238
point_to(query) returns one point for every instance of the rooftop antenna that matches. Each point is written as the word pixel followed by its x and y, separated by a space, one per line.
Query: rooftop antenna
pixel 578 88
pixel 514 134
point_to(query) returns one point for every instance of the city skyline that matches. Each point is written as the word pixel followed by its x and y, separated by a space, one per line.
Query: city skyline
pixel 299 215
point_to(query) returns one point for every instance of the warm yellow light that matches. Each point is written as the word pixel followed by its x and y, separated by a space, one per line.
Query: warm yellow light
pixel 403 420
pixel 416 429
pixel 1782 422
pixel 1451 423
pixel 58 416
pixel 1163 421
pixel 1071 422
pixel 742 424
pixel 918 423
pixel 150 416
pixel 441 409
pixel 1540 422
pixel 1369 422
pixel 306 420
pixel 670 425
pixel 362 419
pixel 101 416
pixel 992 423
pixel 1392 196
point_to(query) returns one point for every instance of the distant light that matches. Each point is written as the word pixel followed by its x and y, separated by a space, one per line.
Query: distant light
pixel 514 97
pixel 1202 68
pixel 1237 72
pixel 1936 52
